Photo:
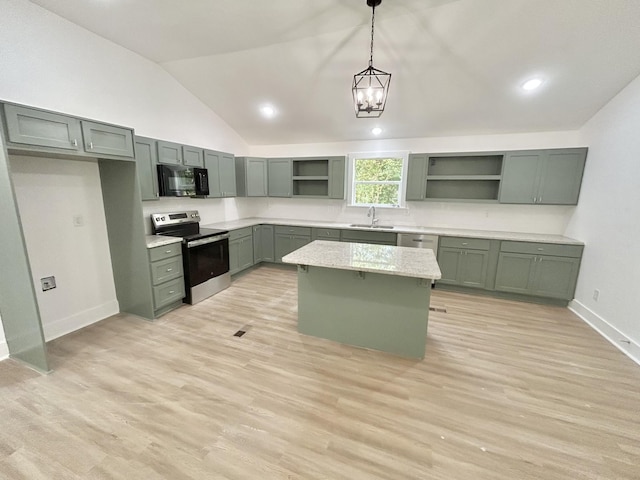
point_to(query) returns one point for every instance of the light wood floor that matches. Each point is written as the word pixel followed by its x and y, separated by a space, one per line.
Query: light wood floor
pixel 507 391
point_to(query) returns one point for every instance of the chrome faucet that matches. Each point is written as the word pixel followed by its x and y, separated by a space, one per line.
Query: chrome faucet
pixel 372 213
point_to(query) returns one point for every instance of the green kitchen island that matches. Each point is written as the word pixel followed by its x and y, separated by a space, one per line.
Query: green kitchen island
pixel 372 296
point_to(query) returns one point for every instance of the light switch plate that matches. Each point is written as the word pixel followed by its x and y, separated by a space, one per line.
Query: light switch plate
pixel 48 283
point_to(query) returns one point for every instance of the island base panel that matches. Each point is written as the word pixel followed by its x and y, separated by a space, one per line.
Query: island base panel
pixel 371 310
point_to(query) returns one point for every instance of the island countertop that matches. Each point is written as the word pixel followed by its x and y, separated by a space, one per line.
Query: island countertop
pixel 363 257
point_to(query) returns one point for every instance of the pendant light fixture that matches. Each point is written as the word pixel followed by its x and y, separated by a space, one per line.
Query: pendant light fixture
pixel 370 86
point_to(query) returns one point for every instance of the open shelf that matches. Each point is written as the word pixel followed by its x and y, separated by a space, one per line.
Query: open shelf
pixel 463 177
pixel 463 190
pixel 311 167
pixel 311 177
pixel 465 165
pixel 311 188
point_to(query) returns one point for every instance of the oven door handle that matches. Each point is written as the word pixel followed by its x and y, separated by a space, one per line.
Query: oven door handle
pixel 205 241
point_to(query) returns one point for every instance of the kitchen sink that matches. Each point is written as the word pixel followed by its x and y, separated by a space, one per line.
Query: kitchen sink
pixel 368 225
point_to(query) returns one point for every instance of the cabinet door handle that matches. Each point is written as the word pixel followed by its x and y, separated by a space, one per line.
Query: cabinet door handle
pixel 169 269
pixel 75 142
pixel 167 251
pixel 534 199
pixel 540 199
pixel 171 291
pixel 465 243
pixel 540 259
pixel 91 145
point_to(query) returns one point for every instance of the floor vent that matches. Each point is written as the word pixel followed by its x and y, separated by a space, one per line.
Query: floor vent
pixel 242 330
pixel 438 309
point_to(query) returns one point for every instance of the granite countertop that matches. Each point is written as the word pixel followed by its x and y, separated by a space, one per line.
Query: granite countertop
pixel 363 257
pixel 160 240
pixel 442 231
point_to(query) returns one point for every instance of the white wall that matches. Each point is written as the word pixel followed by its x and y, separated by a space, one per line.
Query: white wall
pixel 51 63
pixel 48 62
pixel 212 210
pixel 50 193
pixel 608 220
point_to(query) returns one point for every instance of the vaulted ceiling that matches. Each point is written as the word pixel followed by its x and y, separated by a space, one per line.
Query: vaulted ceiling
pixel 457 65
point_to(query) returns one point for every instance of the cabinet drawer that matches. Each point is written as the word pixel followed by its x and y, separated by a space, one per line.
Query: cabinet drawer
pixel 168 293
pixel 553 249
pixel 286 230
pixel 326 233
pixel 165 251
pixel 165 270
pixel 465 242
pixel 366 237
pixel 240 232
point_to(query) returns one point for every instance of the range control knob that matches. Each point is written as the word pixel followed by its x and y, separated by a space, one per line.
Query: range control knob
pixel 162 219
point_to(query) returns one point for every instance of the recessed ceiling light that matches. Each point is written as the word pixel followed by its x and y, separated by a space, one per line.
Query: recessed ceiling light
pixel 268 111
pixel 376 130
pixel 532 84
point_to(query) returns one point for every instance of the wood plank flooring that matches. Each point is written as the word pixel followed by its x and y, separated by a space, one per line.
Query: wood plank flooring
pixel 507 390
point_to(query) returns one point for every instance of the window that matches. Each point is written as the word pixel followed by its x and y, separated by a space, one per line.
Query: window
pixel 377 179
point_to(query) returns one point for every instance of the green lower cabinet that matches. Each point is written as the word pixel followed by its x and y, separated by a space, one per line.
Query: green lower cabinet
pixel 263 247
pixel 327 234
pixel 551 274
pixel 538 275
pixel 167 277
pixel 288 239
pixel 463 267
pixel 363 236
pixel 240 250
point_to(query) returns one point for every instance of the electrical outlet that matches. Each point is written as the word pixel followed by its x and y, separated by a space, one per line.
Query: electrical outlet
pixel 48 283
pixel 596 294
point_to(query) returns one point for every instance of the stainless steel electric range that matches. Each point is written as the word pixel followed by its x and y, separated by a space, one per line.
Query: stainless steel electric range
pixel 205 253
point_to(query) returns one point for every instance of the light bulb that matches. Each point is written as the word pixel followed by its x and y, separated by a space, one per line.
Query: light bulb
pixel 532 84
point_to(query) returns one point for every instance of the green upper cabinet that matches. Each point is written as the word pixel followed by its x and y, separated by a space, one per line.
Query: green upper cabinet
pixel 544 177
pixel 169 153
pixel 193 156
pixel 251 177
pixel 29 126
pixel 280 177
pixel 146 160
pixel 107 139
pixel 222 173
pixel 44 130
pixel 337 173
pixel 227 175
pixel 417 176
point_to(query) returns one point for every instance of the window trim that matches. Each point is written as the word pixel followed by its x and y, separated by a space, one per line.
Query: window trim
pixel 352 157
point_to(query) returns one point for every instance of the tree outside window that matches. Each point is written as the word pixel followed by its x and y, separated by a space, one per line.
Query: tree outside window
pixel 377 180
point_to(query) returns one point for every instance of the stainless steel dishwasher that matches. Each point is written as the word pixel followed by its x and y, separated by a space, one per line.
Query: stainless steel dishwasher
pixel 416 240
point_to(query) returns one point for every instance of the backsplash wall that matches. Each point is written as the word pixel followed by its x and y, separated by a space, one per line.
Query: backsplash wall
pixel 550 219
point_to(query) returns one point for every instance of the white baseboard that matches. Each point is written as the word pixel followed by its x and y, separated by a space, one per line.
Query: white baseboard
pixel 619 340
pixel 4 349
pixel 61 327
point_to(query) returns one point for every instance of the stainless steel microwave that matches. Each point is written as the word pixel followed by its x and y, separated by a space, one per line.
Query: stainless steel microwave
pixel 180 181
